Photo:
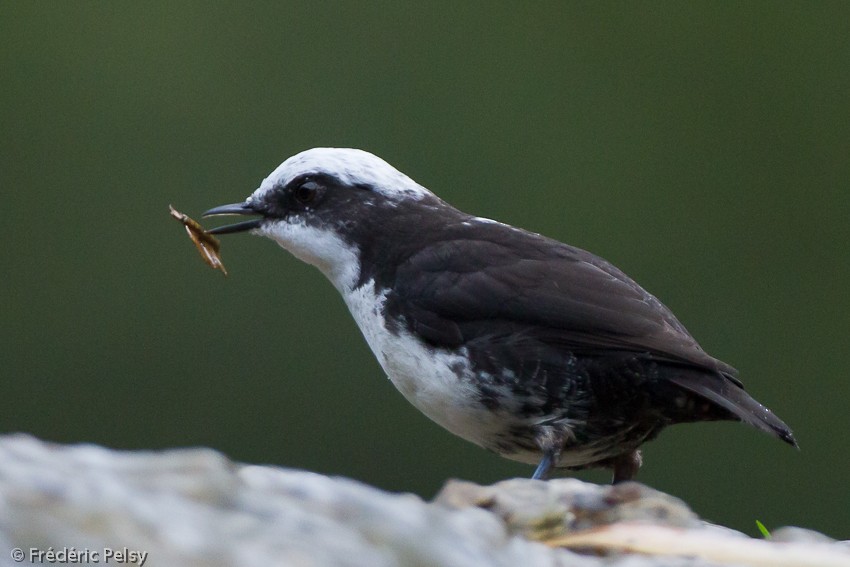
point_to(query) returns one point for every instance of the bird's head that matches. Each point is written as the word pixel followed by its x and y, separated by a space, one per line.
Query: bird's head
pixel 318 203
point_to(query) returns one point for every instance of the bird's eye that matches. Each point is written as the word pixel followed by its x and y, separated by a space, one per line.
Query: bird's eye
pixel 306 192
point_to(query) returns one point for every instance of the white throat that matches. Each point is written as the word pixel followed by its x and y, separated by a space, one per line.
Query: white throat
pixel 321 248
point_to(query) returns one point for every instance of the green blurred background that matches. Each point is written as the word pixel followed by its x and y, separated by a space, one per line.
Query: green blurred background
pixel 701 147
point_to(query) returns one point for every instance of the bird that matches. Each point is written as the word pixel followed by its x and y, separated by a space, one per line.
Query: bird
pixel 534 349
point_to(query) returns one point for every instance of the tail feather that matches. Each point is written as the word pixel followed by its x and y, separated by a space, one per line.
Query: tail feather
pixel 726 393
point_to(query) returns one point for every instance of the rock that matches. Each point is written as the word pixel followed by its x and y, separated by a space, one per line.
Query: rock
pixel 543 510
pixel 91 505
pixel 633 518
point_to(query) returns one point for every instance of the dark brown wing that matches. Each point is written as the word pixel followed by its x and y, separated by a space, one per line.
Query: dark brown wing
pixel 460 289
pixel 501 285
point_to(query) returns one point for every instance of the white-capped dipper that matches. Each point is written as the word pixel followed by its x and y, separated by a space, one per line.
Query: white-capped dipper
pixel 528 347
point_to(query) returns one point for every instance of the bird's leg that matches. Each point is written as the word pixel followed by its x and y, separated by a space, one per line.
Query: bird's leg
pixel 626 466
pixel 551 443
pixel 545 466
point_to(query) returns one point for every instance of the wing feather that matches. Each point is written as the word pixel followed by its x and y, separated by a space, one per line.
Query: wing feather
pixel 506 280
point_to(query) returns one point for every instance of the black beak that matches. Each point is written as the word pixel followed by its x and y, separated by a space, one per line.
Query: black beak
pixel 234 209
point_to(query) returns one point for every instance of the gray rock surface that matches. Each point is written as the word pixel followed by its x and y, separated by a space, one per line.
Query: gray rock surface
pixel 86 505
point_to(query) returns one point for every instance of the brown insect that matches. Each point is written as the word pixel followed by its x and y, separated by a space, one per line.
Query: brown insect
pixel 208 245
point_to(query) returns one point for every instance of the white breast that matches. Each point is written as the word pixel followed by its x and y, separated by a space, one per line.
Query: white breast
pixel 438 383
pixel 433 381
